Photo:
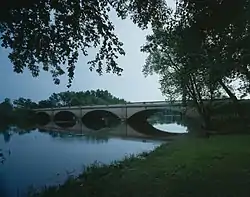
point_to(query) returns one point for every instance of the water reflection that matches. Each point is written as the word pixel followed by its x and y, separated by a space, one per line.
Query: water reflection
pixel 38 158
pixel 155 127
pixel 6 136
pixel 121 130
pixel 173 127
pixel 47 155
pixel 67 135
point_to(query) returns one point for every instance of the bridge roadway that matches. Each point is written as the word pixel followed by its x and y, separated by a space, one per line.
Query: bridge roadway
pixel 123 111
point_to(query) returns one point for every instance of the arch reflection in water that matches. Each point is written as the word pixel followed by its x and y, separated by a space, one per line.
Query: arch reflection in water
pixel 168 122
pixel 65 119
pixel 60 156
pixel 146 122
pixel 69 136
pixel 171 127
pixel 99 119
pixel 122 130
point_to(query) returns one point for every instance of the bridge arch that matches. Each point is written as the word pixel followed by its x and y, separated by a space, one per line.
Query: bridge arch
pixel 139 121
pixel 65 119
pixel 42 118
pixel 98 119
pixel 146 112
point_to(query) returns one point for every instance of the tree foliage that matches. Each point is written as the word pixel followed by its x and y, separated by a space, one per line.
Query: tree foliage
pixel 200 50
pixel 24 103
pixel 20 112
pixel 51 34
pixel 180 77
pixel 71 98
pixel 98 97
pixel 221 30
pixel 5 110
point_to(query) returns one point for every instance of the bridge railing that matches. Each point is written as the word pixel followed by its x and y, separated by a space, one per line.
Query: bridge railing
pixel 134 104
pixel 156 102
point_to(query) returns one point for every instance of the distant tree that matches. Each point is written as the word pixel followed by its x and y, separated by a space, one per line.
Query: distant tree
pixel 6 110
pixel 66 97
pixel 98 97
pixel 55 100
pixel 47 34
pixel 75 101
pixel 25 103
pixel 45 104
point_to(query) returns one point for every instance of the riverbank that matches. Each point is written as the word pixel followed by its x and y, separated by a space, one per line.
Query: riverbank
pixel 215 166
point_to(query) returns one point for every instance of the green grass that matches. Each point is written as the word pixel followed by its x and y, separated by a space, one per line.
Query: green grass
pixel 217 166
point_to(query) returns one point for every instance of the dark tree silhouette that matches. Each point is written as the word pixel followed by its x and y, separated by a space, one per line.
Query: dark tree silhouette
pixel 48 34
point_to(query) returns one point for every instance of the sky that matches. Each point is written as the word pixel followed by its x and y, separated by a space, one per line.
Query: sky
pixel 131 86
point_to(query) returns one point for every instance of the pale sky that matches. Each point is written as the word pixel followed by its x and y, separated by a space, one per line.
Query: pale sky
pixel 131 86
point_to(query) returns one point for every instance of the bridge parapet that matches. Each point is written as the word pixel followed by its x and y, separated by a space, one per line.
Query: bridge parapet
pixel 134 104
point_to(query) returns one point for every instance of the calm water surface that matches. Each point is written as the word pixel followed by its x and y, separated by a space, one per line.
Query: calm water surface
pixel 42 158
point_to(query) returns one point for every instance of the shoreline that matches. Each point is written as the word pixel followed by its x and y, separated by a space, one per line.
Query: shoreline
pixel 186 167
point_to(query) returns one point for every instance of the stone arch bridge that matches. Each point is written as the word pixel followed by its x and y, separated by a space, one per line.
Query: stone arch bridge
pixel 122 111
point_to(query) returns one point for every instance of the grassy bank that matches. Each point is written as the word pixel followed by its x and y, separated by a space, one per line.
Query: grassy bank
pixel 218 166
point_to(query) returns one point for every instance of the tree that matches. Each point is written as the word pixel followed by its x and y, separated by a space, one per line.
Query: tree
pixel 71 98
pixel 45 104
pixel 66 97
pixel 181 75
pixel 200 50
pixel 223 36
pixel 6 109
pixel 25 103
pixel 6 105
pixel 55 99
pixel 75 102
pixel 47 34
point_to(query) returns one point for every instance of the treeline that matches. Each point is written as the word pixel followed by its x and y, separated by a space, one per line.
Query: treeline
pixel 20 111
pixel 71 98
pixel 13 115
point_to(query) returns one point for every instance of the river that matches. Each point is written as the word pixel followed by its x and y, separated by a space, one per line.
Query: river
pixel 47 156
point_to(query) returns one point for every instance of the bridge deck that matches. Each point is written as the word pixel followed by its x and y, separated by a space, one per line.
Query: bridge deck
pixel 127 105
